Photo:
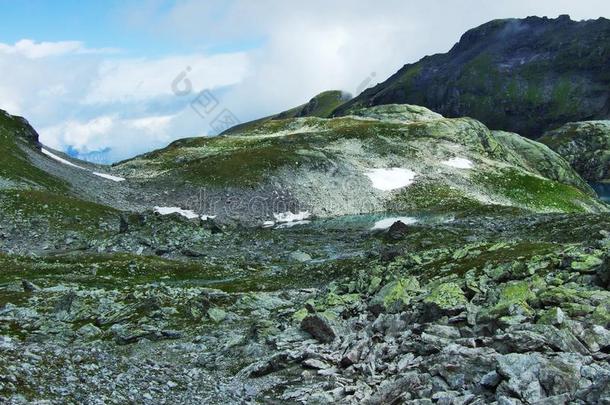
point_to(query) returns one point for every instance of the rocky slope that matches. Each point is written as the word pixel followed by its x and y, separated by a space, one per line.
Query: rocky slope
pixel 586 146
pixel 522 75
pixel 495 309
pixel 390 158
pixel 490 287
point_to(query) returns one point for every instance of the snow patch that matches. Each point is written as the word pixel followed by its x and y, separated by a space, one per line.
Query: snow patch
pixel 388 222
pixel 59 159
pixel 391 179
pixel 66 162
pixel 459 163
pixel 185 213
pixel 109 177
pixel 176 210
pixel 290 217
pixel 291 224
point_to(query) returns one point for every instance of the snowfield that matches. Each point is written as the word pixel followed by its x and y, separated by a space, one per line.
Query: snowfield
pixel 59 159
pixel 185 213
pixel 109 177
pixel 290 217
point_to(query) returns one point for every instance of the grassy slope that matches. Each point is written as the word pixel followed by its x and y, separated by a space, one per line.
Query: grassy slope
pixel 15 165
pixel 33 192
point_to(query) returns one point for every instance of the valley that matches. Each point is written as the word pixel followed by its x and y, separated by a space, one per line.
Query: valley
pixel 359 250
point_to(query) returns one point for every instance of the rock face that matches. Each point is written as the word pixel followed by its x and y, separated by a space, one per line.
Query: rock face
pixel 522 75
pixel 586 146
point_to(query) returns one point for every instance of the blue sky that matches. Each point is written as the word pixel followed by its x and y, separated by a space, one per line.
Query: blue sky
pixel 96 77
pixel 104 24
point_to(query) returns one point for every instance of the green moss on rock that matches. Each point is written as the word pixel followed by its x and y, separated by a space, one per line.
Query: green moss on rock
pixel 447 296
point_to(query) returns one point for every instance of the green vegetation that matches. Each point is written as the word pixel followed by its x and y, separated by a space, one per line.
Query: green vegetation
pixel 118 269
pixel 533 192
pixel 58 211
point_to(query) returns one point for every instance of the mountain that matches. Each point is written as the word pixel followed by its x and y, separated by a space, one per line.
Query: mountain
pixel 522 75
pixel 321 106
pixel 392 255
pixel 398 158
pixel 226 269
pixel 586 146
pixel 60 195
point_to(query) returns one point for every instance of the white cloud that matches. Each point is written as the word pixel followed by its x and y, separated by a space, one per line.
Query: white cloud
pixel 119 137
pixel 35 50
pixel 318 45
pixel 118 105
pixel 111 107
pixel 129 80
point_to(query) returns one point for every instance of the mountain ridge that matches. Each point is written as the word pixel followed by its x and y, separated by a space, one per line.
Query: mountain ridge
pixel 521 75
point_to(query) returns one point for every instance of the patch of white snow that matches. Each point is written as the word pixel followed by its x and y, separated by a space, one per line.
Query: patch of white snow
pixel 176 210
pixel 459 163
pixel 391 179
pixel 109 177
pixel 290 217
pixel 59 159
pixel 291 224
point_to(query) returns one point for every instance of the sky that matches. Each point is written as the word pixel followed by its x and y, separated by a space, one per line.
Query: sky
pixel 108 80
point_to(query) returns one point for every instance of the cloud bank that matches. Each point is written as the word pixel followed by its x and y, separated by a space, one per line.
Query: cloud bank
pixel 254 58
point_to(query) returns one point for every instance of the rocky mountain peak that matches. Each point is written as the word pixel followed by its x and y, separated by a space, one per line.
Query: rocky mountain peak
pixel 18 127
pixel 524 75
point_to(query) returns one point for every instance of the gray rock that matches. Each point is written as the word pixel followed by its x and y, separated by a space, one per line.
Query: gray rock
pixel 89 331
pixel 491 380
pixel 319 327
pixel 29 286
pixel 300 256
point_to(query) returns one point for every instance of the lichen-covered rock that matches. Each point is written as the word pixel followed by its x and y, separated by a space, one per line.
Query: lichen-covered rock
pixel 585 145
pixel 447 296
pixel 396 294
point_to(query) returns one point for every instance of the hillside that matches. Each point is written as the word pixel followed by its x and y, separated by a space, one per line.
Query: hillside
pixel 392 255
pixel 390 158
pixel 521 75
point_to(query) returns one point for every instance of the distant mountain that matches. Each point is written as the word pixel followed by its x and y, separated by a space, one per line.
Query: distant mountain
pixel 321 106
pixel 522 75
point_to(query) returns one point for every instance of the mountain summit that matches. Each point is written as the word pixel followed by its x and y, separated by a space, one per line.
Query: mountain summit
pixel 523 75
